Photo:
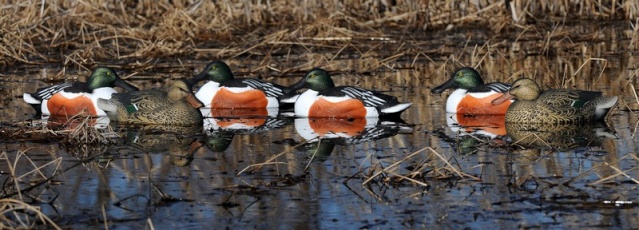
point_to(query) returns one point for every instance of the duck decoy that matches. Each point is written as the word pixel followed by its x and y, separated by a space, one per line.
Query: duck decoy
pixel 554 106
pixel 178 106
pixel 324 99
pixel 223 90
pixel 472 95
pixel 72 98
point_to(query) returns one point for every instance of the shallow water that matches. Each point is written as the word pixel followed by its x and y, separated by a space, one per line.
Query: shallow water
pixel 477 177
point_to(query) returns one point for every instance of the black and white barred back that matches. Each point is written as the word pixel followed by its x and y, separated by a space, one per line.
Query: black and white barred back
pixel 495 87
pixel 368 97
pixel 270 89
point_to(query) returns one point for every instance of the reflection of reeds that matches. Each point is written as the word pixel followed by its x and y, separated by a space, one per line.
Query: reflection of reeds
pixel 432 165
pixel 269 161
pixel 37 175
pixel 610 166
pixel 14 212
pixel 17 214
pixel 618 171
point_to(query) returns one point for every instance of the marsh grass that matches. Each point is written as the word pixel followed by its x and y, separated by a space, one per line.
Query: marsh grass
pixel 81 33
pixel 80 136
pixel 354 36
pixel 271 161
pixel 425 164
pixel 82 130
pixel 15 213
pixel 619 173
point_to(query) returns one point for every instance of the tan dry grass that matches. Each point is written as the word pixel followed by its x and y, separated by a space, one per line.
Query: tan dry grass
pixel 84 32
pixel 610 166
pixel 37 174
pixel 16 214
pixel 431 165
pixel 270 161
pixel 360 35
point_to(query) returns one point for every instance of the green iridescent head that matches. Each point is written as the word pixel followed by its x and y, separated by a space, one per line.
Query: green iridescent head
pixel 316 79
pixel 107 77
pixel 216 71
pixel 464 78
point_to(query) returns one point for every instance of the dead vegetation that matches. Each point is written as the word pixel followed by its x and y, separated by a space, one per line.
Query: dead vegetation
pixel 78 129
pixel 15 213
pixel 82 33
pixel 26 176
pixel 355 36
pixel 415 169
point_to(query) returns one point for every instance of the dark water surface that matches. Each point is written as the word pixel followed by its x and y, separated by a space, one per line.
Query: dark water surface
pixel 480 176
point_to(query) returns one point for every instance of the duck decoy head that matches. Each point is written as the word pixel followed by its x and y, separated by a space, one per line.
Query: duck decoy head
pixel 465 78
pixel 316 79
pixel 217 71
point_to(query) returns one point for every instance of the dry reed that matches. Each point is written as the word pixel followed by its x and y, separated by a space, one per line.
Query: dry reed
pixel 430 165
pixel 78 131
pixel 285 37
pixel 85 32
pixel 270 161
pixel 16 214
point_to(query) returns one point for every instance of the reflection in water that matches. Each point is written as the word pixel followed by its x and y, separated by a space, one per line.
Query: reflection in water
pixel 178 142
pixel 242 121
pixel 221 125
pixel 320 150
pixel 473 132
pixel 490 126
pixel 548 152
pixel 559 137
pixel 322 134
pixel 219 141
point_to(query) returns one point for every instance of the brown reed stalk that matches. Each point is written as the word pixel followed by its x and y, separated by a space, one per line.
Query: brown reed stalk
pixel 16 214
pixel 433 167
pixel 107 30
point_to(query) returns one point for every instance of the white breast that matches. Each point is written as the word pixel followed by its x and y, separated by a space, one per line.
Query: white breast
pixel 206 93
pixel 304 102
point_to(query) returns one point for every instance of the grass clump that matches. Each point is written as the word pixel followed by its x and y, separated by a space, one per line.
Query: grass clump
pixel 85 32
pixel 17 214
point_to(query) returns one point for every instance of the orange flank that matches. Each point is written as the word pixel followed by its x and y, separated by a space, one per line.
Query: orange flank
pixel 472 105
pixel 247 117
pixel 248 99
pixel 351 127
pixel 495 124
pixel 345 109
pixel 62 106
